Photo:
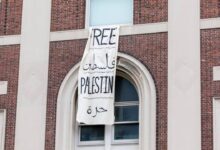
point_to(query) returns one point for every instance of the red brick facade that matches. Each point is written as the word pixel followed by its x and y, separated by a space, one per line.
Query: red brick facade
pixel 10 17
pixel 150 49
pixel 9 66
pixel 150 11
pixel 210 56
pixel 210 8
pixel 69 15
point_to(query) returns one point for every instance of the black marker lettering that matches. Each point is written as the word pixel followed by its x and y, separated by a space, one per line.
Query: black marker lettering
pixel 97 33
pixel 82 84
pixel 111 36
pixel 110 83
pixel 104 36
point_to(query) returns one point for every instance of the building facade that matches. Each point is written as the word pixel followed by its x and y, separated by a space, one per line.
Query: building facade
pixel 169 51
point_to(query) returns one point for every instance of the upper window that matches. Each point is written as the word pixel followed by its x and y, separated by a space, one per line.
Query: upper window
pixel 107 12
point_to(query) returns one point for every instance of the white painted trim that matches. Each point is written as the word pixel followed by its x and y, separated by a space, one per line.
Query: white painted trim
pixel 3 87
pixel 33 75
pixel 69 35
pixel 215 102
pixel 65 126
pixel 124 30
pixel 87 17
pixel 144 28
pixel 2 144
pixel 216 73
pixel 10 39
pixel 184 83
pixel 210 23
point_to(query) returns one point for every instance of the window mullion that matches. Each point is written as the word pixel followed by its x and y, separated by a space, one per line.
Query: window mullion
pixel 127 103
pixel 126 122
pixel 108 136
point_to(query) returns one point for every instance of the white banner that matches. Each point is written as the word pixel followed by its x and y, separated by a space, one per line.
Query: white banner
pixel 96 79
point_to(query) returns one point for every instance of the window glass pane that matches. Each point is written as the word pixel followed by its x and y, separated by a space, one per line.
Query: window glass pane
pixel 92 133
pixel 103 12
pixel 124 90
pixel 126 113
pixel 126 131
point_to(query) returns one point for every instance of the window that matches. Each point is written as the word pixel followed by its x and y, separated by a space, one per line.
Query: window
pixel 126 111
pixel 67 134
pixel 126 127
pixel 107 12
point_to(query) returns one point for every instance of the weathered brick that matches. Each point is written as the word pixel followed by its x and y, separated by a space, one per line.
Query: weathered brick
pixel 9 65
pixel 10 17
pixel 210 56
pixel 210 8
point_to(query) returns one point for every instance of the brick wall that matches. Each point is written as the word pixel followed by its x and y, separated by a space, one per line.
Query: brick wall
pixel 10 17
pixel 9 65
pixel 70 14
pixel 67 14
pixel 150 49
pixel 210 8
pixel 150 11
pixel 210 56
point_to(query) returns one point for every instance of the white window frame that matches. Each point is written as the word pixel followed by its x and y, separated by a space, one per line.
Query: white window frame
pixel 87 16
pixel 126 103
pixel 110 129
pixel 3 111
pixel 66 104
pixel 216 101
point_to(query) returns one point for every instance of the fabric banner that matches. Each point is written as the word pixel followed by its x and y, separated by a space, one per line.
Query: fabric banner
pixel 96 79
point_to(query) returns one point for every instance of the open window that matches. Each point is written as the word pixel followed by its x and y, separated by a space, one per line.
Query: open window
pixel 135 111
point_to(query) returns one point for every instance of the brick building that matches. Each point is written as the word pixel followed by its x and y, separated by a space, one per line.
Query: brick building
pixel 171 57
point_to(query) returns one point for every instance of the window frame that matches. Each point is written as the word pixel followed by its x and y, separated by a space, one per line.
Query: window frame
pixel 112 128
pixel 87 16
pixel 126 103
pixel 65 118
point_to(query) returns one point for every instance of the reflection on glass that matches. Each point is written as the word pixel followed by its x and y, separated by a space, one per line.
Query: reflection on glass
pixel 126 131
pixel 124 90
pixel 126 113
pixel 92 133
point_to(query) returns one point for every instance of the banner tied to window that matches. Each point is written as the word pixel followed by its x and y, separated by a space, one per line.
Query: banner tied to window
pixel 96 79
